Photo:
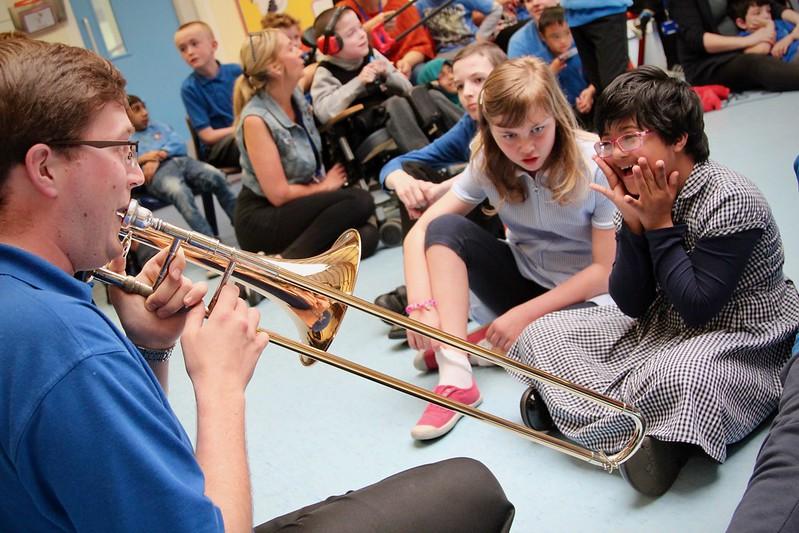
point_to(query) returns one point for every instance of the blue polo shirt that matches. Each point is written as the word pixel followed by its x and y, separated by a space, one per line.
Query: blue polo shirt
pixel 783 29
pixel 449 149
pixel 88 441
pixel 159 136
pixel 209 101
pixel 526 41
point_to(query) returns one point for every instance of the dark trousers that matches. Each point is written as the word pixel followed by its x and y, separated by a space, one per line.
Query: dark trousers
pixel 602 45
pixel 771 501
pixel 457 495
pixel 493 274
pixel 223 154
pixel 306 226
pixel 746 72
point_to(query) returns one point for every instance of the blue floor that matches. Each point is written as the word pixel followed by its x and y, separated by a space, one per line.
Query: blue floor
pixel 317 431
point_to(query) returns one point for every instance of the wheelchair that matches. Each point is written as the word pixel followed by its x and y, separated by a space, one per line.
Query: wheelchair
pixel 357 137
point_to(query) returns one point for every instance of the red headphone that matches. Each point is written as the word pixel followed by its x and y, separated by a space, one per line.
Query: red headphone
pixel 330 43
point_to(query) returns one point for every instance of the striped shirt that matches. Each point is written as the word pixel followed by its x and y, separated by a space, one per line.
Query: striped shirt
pixel 551 242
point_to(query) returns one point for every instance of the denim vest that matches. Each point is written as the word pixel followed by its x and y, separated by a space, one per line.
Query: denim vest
pixel 293 143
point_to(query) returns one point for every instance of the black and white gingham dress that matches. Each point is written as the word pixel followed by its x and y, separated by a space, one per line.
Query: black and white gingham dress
pixel 708 386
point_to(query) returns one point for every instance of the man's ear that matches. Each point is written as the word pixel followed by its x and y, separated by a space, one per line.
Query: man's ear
pixel 42 164
pixel 214 45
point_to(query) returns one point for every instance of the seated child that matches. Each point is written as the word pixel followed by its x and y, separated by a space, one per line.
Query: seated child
pixel 752 15
pixel 453 28
pixel 407 54
pixel 208 94
pixel 565 62
pixel 352 73
pixel 526 41
pixel 705 318
pixel 170 175
pixel 291 27
pixel 437 74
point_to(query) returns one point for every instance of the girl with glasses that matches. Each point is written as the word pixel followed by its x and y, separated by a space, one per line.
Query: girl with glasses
pixel 705 317
pixel 533 164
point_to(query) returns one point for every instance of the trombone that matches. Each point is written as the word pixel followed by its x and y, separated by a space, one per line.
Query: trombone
pixel 317 291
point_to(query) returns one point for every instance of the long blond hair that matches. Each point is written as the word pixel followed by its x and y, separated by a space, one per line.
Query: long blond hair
pixel 258 52
pixel 509 94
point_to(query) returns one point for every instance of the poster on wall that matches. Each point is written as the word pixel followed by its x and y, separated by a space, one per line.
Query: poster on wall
pixel 34 16
pixel 254 10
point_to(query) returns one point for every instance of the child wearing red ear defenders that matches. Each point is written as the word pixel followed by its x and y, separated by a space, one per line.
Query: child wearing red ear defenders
pixel 351 72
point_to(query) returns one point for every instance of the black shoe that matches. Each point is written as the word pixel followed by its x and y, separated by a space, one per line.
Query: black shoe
pixel 398 333
pixel 534 411
pixel 655 466
pixel 396 300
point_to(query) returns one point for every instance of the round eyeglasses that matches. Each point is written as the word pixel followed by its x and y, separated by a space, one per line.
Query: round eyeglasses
pixel 626 143
pixel 130 153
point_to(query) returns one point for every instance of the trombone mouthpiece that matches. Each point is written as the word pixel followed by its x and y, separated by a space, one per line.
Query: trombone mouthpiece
pixel 136 216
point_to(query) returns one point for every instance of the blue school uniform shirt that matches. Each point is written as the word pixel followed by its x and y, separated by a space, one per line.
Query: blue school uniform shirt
pixel 449 149
pixel 453 27
pixel 783 29
pixel 88 441
pixel 160 136
pixel 571 79
pixel 549 241
pixel 209 101
pixel 581 12
pixel 526 41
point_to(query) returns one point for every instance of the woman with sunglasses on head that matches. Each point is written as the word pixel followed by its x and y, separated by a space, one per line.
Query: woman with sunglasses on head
pixel 705 316
pixel 290 204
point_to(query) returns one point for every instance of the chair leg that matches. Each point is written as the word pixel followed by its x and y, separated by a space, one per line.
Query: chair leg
pixel 210 212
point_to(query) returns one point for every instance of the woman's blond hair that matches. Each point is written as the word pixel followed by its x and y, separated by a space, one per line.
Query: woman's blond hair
pixel 258 52
pixel 510 94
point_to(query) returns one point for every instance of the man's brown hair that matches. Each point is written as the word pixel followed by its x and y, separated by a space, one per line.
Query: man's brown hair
pixel 49 92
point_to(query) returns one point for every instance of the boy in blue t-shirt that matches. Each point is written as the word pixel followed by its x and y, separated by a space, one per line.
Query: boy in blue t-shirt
pixel 170 175
pixel 208 94
pixel 752 15
pixel 565 61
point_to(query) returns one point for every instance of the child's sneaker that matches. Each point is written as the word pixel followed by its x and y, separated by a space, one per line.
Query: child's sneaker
pixel 436 420
pixel 425 360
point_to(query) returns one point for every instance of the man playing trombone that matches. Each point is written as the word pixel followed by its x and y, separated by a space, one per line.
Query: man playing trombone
pixel 88 441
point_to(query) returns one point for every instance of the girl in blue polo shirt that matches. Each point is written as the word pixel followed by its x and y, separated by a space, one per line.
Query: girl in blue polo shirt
pixel 534 165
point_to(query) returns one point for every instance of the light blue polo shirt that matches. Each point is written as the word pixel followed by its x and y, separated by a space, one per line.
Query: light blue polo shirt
pixel 550 242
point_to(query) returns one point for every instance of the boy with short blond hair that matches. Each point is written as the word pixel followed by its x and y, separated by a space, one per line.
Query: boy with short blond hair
pixel 207 93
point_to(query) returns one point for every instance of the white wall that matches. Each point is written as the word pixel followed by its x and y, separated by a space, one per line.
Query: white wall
pixel 222 15
pixel 224 18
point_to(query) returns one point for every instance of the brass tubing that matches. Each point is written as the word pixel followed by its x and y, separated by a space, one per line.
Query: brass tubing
pixel 609 463
pixel 255 271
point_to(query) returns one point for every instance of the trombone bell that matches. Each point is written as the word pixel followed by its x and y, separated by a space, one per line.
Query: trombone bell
pixel 316 316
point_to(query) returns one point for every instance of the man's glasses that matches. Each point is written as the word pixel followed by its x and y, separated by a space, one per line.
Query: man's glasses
pixel 626 143
pixel 130 154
